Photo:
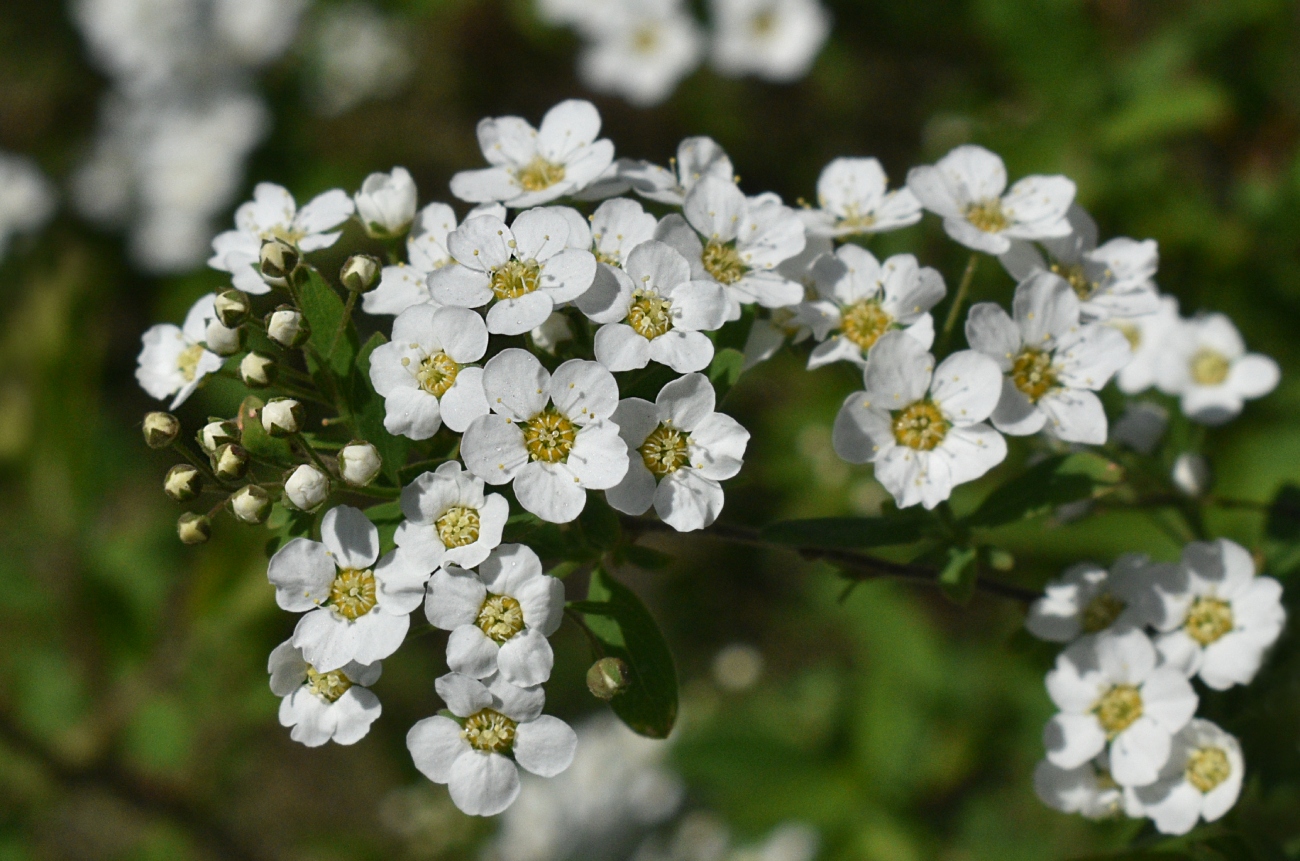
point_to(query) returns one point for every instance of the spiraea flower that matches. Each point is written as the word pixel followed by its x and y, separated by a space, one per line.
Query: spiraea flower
pixel 27 198
pixel 853 198
pixel 1088 598
pixel 336 706
pixel 524 270
pixel 1088 790
pixel 174 359
pixel 641 50
pixel 920 426
pixel 772 39
pixel 1146 336
pixel 550 434
pixel 1053 363
pixel 534 166
pixel 500 618
pixel 1110 691
pixel 352 606
pixel 862 300
pixel 386 203
pixel 679 452
pixel 617 227
pixel 1205 364
pixel 498 729
pixel 1216 616
pixel 273 214
pixel 966 187
pixel 1201 780
pixel 697 158
pixel 449 519
pixel 793 323
pixel 738 242
pixel 425 373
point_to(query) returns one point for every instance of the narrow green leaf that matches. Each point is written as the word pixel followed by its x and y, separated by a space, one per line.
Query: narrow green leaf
pixel 726 368
pixel 1045 485
pixel 254 438
pixel 957 579
pixel 599 522
pixel 903 527
pixel 323 309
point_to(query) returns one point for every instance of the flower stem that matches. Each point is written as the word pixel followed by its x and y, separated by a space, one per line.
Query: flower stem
pixel 311 452
pixel 348 306
pixel 958 301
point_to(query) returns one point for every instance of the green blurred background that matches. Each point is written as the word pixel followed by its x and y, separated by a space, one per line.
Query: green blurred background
pixel 135 719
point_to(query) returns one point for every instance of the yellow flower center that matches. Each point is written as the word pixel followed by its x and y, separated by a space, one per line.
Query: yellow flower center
pixel 437 373
pixel 458 526
pixel 516 278
pixel 1101 612
pixel 650 315
pixel 646 39
pixel 500 617
pixel 1130 332
pixel 764 23
pixel 987 215
pixel 1210 367
pixel 1208 619
pixel 1118 708
pixel 722 261
pixel 1073 273
pixel 352 594
pixel 664 451
pixel 328 686
pixel 1033 373
pixel 921 426
pixel 489 731
pixel 1207 767
pixel 549 436
pixel 861 221
pixel 540 174
pixel 864 322
pixel 188 362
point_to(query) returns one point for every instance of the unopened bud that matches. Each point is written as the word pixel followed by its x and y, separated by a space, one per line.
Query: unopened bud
pixel 307 487
pixel 161 429
pixel 1192 474
pixel 223 341
pixel 360 272
pixel 257 370
pixel 607 678
pixel 278 262
pixel 217 433
pixel 230 462
pixel 359 463
pixel 282 417
pixel 287 327
pixel 183 482
pixel 232 307
pixel 251 504
pixel 193 528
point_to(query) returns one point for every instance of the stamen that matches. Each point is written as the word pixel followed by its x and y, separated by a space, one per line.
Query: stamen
pixel 664 451
pixel 437 373
pixel 188 362
pixel 921 426
pixel 458 526
pixel 1208 619
pixel 987 215
pixel 549 436
pixel 516 278
pixel 1033 373
pixel 864 322
pixel 722 261
pixel 1082 285
pixel 1207 767
pixel 500 617
pixel 650 315
pixel 352 594
pixel 1118 708
pixel 540 174
pixel 1101 612
pixel 1210 367
pixel 489 731
pixel 328 686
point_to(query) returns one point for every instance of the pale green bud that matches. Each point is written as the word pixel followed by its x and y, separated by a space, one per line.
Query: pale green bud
pixel 282 417
pixel 183 482
pixel 279 260
pixel 250 504
pixel 215 434
pixel 257 370
pixel 359 463
pixel 307 487
pixel 161 429
pixel 232 307
pixel 608 678
pixel 230 462
pixel 193 528
pixel 360 272
pixel 287 327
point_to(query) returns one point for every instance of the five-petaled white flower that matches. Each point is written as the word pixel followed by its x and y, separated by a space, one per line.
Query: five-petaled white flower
pixel 965 188
pixel 386 203
pixel 640 50
pixel 1204 362
pixel 772 39
pixel 533 166
pixel 424 373
pixel 853 199
pixel 1218 618
pixel 500 618
pixel 1146 336
pixel 335 706
pixel 1201 780
pixel 449 520
pixel 1087 598
pixel 1088 790
pixel 679 452
pixel 1109 690
pixel 793 322
pixel 273 214
pixel 174 360
pixel 500 728
pixel 921 426
pixel 697 158
pixel 862 300
pixel 1053 364
pixel 524 270
pixel 550 434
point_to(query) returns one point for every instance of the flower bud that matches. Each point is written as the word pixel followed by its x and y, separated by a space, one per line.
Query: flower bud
pixel 607 678
pixel 215 434
pixel 282 416
pixel 287 327
pixel 307 487
pixel 161 429
pixel 1192 474
pixel 278 262
pixel 386 203
pixel 230 462
pixel 193 528
pixel 360 272
pixel 251 504
pixel 359 463
pixel 257 370
pixel 223 341
pixel 232 307
pixel 183 482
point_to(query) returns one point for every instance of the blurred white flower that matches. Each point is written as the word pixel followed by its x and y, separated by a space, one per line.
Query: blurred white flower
pixel 640 50
pixel 1201 780
pixel 356 54
pixel 337 706
pixel 1088 789
pixel 1088 598
pixel 386 203
pixel 1146 336
pixel 27 198
pixel 853 199
pixel 1141 427
pixel 174 359
pixel 773 39
pixel 1205 364
pixel 697 158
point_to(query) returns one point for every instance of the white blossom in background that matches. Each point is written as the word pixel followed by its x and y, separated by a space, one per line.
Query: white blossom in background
pixel 1088 598
pixel 853 198
pixel 1146 336
pixel 355 54
pixel 1053 364
pixel 1088 790
pixel 702 836
pixel 174 359
pixel 966 188
pixel 549 434
pixel 793 323
pixel 1205 364
pixel 534 166
pixel 773 39
pixel 27 198
pixel 640 49
pixel 921 427
pixel 1201 780
pixel 336 706
pixel 449 519
pixel 697 158
pixel 1216 617
pixel 386 203
pixel 1142 426
pixel 679 453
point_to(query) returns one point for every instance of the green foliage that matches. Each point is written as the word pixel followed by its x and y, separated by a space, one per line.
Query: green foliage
pixel 900 527
pixel 1053 482
pixel 333 346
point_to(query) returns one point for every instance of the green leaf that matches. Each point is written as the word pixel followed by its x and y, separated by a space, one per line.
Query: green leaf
pixel 324 311
pixel 254 438
pixel 599 522
pixel 725 369
pixel 367 409
pixel 903 527
pixel 644 557
pixel 1284 514
pixel 957 579
pixel 287 524
pixel 624 628
pixel 1045 485
pixel 386 516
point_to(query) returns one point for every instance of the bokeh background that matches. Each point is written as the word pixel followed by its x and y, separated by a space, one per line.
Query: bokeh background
pixel 135 719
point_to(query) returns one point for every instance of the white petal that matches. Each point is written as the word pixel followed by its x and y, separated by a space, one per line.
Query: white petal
pixel 584 391
pixel 636 492
pixel 1073 739
pixel 990 330
pixel 516 384
pixel 354 712
pixel 465 400
pixel 1074 415
pixel 435 743
pixel 471 652
pixel 545 746
pixel 898 371
pixel 460 332
pixel 483 784
pixel 463 695
pixel 493 449
pixel 687 501
pixel 1138 753
pixel 517 316
pixel 550 491
pixel 301 572
pixel 618 347
pixel 350 536
pixel 454 599
pixel 526 658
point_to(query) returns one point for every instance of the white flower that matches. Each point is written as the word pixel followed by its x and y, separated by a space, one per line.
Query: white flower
pixel 357 53
pixel 965 188
pixel 1113 280
pixel 1088 790
pixel 27 198
pixel 449 520
pixel 1087 598
pixel 173 360
pixel 335 706
pixel 553 331
pixel 852 199
pixel 273 214
pixel 773 39
pixel 386 203
pixel 1218 618
pixel 862 300
pixel 354 609
pixel 1201 780
pixel 359 463
pixel 679 452
pixel 1146 335
pixel 793 322
pixel 1191 474
pixel 425 374
pixel 617 227
pixel 697 158
pixel 501 729
pixel 307 487
pixel 1109 689
pixel 641 50
pixel 738 242
pixel 1204 362
pixel 533 166
pixel 524 270
pixel 549 434
pixel 1053 364
pixel 659 314
pixel 499 618
pixel 921 426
